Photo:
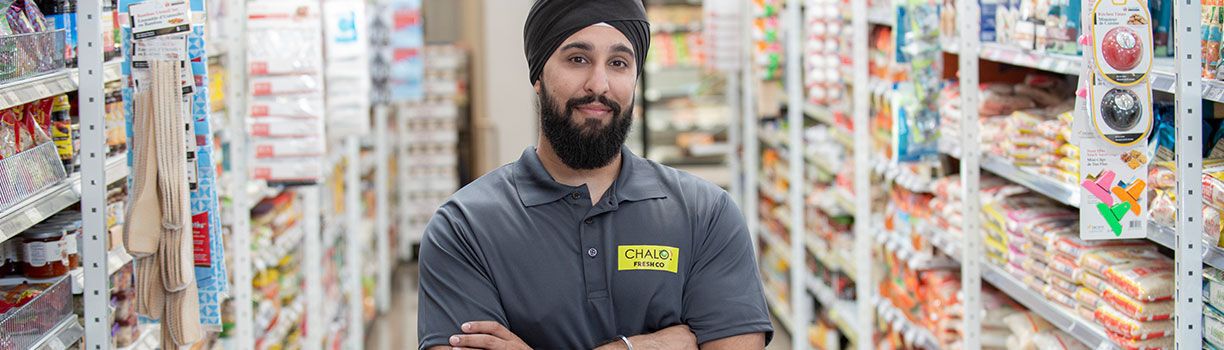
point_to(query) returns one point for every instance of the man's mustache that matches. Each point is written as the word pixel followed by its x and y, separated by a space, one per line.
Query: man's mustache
pixel 575 102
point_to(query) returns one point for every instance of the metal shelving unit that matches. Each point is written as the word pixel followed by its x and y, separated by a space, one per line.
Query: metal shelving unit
pixel 63 81
pixel 1087 332
pixel 966 251
pixel 53 199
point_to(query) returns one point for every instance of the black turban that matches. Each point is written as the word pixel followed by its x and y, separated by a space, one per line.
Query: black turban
pixel 552 21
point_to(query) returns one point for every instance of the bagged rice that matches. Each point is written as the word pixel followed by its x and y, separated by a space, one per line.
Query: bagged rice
pixel 1213 325
pixel 1163 343
pixel 1148 281
pixel 1140 311
pixel 1117 322
pixel 1087 298
pixel 1057 340
pixel 1099 260
pixel 1093 282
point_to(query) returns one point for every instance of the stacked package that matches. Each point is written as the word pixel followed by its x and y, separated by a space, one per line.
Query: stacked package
pixel 1030 331
pixel 1163 182
pixel 1135 285
pixel 1213 318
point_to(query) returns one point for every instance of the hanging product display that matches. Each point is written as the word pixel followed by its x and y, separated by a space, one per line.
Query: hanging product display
pixel 287 113
pixel 406 43
pixel 175 230
pixel 915 129
pixel 1114 121
pixel 348 68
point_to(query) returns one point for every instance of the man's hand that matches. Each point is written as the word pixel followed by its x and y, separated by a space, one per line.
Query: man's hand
pixel 677 337
pixel 487 335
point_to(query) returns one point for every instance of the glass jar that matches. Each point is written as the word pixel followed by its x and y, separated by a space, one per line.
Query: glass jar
pixel 42 253
pixel 8 259
pixel 72 237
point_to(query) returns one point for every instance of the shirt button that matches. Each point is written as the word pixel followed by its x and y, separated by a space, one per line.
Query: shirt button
pixel 590 221
pixel 576 195
pixel 592 252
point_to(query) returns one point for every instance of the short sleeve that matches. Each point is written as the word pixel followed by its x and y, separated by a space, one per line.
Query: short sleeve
pixel 724 296
pixel 455 285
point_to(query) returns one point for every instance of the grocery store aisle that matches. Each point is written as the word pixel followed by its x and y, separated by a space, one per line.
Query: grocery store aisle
pixel 397 329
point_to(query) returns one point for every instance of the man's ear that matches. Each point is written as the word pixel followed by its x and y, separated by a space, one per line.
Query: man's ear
pixel 536 85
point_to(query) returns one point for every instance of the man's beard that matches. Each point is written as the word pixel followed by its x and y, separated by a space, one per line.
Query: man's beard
pixel 587 145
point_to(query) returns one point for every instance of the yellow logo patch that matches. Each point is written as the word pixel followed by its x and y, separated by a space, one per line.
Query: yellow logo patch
pixel 647 257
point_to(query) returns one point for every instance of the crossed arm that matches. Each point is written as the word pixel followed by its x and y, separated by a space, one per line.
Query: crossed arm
pixel 493 336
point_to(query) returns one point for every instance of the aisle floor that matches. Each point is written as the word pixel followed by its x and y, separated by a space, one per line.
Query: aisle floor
pixel 397 329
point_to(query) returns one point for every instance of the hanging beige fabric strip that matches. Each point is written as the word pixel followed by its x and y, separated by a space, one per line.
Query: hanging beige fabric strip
pixel 142 233
pixel 177 271
pixel 150 294
pixel 183 316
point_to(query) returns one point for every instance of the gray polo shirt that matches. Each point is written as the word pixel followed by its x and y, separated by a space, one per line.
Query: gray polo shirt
pixel 662 248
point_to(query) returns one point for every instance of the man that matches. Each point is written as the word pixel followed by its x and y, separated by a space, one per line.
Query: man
pixel 581 244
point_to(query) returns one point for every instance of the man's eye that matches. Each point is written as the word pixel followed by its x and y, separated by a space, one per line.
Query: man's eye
pixel 580 60
pixel 620 64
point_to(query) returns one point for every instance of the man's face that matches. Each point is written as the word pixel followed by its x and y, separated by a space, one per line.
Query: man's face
pixel 586 96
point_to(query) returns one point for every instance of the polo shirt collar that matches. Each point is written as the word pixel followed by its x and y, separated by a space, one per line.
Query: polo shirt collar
pixel 536 186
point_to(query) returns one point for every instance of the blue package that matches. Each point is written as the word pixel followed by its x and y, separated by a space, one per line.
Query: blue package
pixel 67 22
pixel 987 25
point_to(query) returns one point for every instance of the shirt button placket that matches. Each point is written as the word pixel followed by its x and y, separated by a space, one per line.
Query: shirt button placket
pixel 592 252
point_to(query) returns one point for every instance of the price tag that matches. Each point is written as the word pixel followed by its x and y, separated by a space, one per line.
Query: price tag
pixel 42 90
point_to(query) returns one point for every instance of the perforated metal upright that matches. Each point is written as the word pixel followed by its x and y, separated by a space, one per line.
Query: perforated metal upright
pixel 238 99
pixel 1189 249
pixel 751 145
pixel 354 241
pixel 382 219
pixel 971 244
pixel 801 312
pixel 864 291
pixel 93 175
pixel 312 267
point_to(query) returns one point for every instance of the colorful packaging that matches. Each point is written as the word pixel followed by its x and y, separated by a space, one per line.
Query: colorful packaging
pixel 1129 328
pixel 1143 281
pixel 1141 311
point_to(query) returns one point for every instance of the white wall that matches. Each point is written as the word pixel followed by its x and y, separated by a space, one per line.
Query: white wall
pixel 505 120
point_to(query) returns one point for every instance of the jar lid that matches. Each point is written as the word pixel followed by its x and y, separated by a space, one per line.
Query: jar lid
pixel 42 233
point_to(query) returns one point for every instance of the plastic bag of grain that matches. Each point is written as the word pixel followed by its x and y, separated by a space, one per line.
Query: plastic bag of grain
pixel 1056 340
pixel 1093 282
pixel 1024 326
pixel 1145 281
pixel 1163 343
pixel 1130 328
pixel 1088 298
pixel 1059 298
pixel 1076 247
pixel 1097 261
pixel 1213 286
pixel 1063 266
pixel 1064 286
pixel 1213 325
pixel 1140 311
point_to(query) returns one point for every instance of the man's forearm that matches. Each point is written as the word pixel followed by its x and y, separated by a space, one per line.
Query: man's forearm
pixel 675 337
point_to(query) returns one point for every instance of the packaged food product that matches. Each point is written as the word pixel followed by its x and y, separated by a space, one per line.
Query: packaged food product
pixel 1213 325
pixel 1163 207
pixel 1163 343
pixel 1093 282
pixel 1213 191
pixel 1087 298
pixel 1213 286
pixel 1072 152
pixel 1160 177
pixel 1069 164
pixel 1063 266
pixel 1130 328
pixel 1056 340
pixel 1097 261
pixel 1140 311
pixel 1062 285
pixel 1145 281
pixel 1026 324
pixel 1074 246
pixel 37 20
pixel 1060 298
pixel 43 254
